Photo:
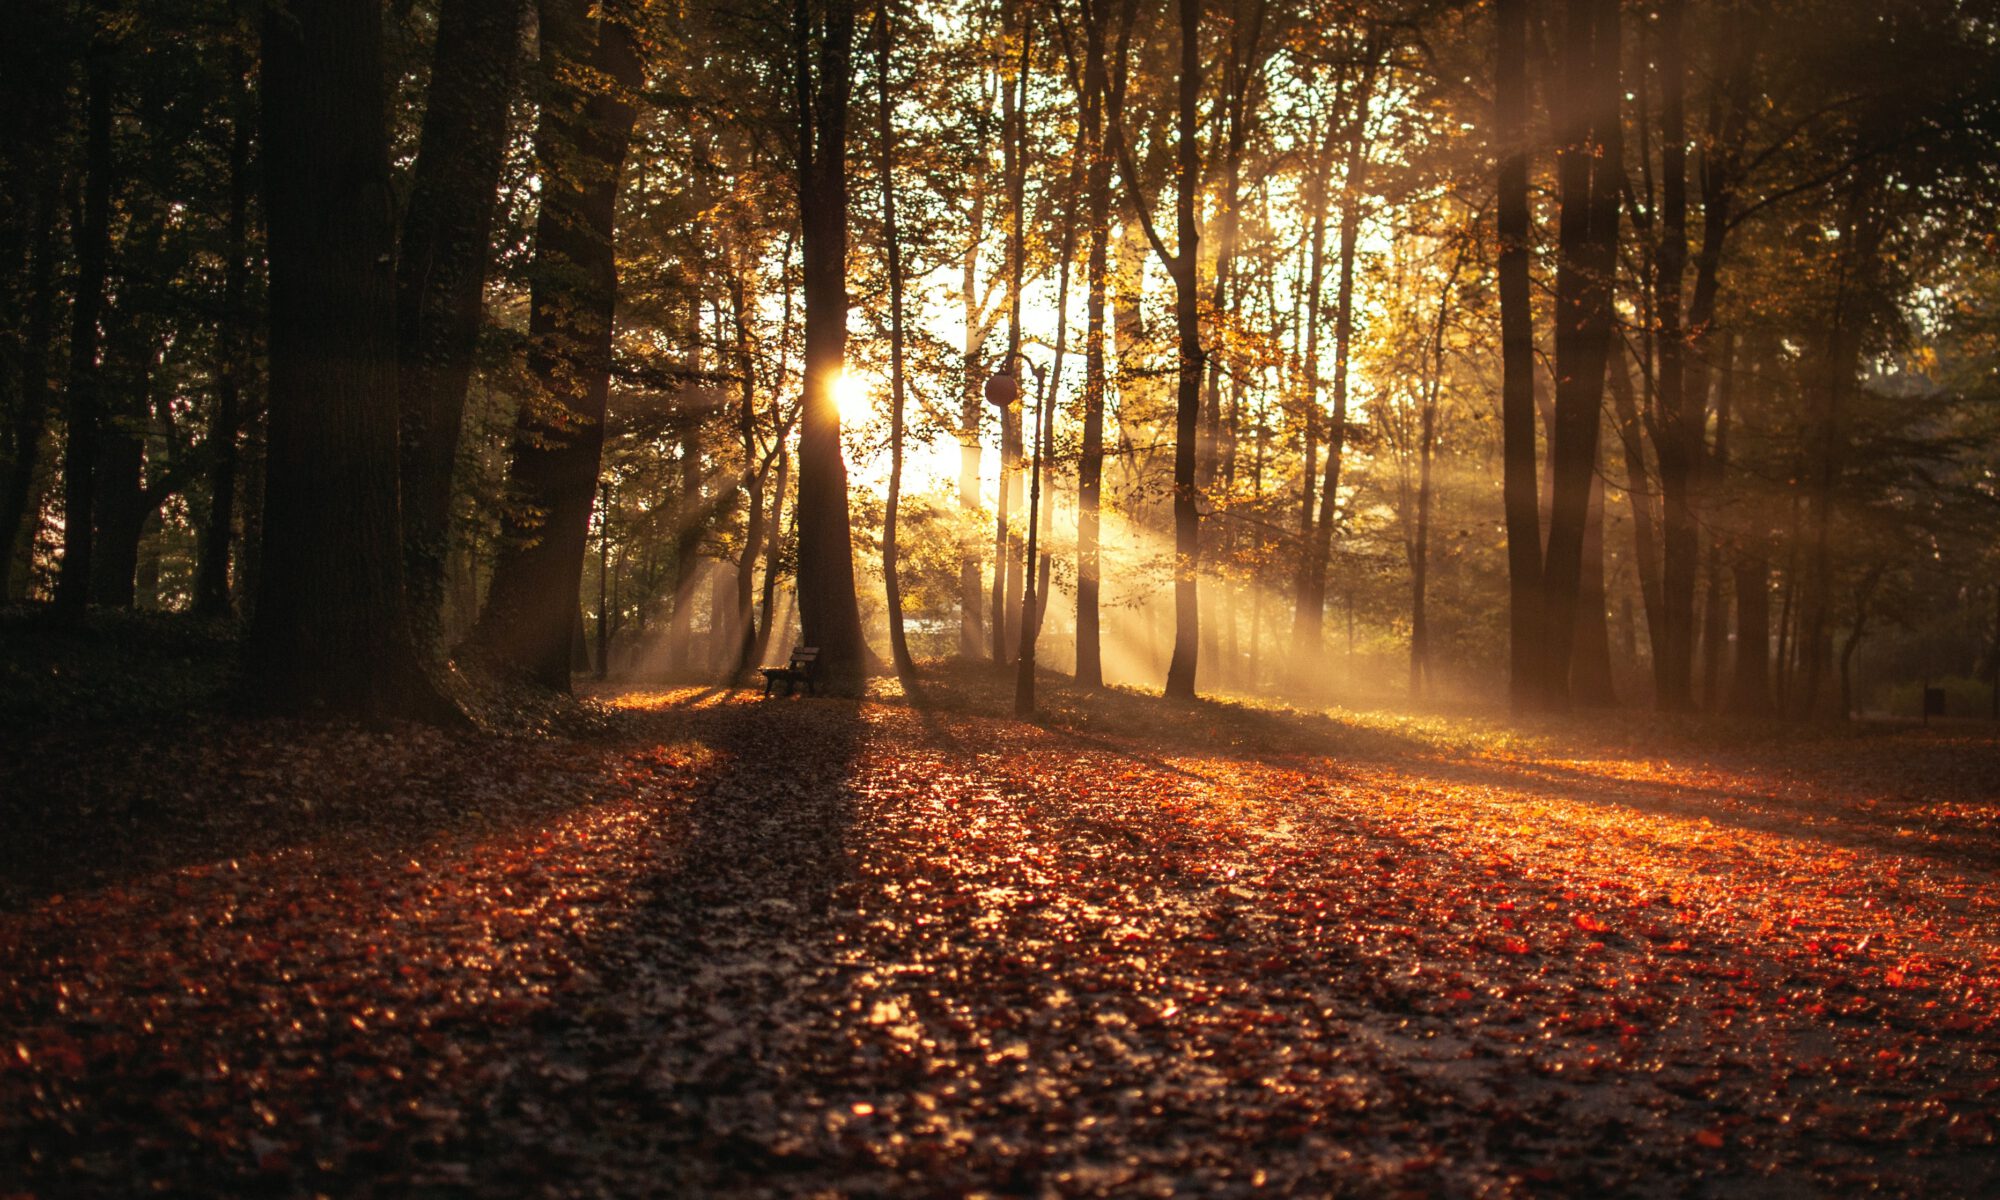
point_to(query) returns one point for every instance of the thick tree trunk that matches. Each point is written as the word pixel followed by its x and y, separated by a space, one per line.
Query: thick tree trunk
pixel 1517 355
pixel 441 270
pixel 580 150
pixel 1588 170
pixel 32 194
pixel 828 611
pixel 331 630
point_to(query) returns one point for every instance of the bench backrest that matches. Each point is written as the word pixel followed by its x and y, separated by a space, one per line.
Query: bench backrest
pixel 804 657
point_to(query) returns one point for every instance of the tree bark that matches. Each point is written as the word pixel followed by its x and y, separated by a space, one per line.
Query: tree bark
pixel 83 413
pixel 1101 91
pixel 1638 491
pixel 1678 434
pixel 29 419
pixel 331 631
pixel 899 646
pixel 829 614
pixel 1185 266
pixel 1310 615
pixel 580 149
pixel 441 271
pixel 211 586
pixel 1587 167
pixel 1519 491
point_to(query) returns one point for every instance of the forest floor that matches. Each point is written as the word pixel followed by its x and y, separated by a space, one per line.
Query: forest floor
pixel 716 945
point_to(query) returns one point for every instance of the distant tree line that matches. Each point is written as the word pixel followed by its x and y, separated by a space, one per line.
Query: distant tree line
pixel 1589 349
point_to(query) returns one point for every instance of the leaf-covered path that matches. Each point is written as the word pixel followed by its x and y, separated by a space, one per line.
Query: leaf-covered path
pixel 906 946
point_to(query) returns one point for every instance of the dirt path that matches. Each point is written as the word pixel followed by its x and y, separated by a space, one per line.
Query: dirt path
pixel 908 947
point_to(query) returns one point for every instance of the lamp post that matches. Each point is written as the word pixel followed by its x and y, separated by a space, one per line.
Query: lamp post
pixel 1003 389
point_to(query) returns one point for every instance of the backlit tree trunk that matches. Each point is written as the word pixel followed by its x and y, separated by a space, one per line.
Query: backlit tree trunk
pixel 1310 615
pixel 1185 268
pixel 1101 91
pixel 1588 170
pixel 899 647
pixel 441 270
pixel 531 608
pixel 1517 356
pixel 823 46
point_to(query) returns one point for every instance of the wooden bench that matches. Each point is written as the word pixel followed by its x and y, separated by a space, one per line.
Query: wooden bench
pixel 802 669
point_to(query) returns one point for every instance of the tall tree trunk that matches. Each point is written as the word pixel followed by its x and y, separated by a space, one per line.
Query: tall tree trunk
pixel 211 584
pixel 1587 167
pixel 972 405
pixel 1679 436
pixel 1309 617
pixel 330 629
pixel 1420 552
pixel 580 149
pixel 754 473
pixel 1833 376
pixel 1185 267
pixel 1639 493
pixel 899 646
pixel 83 410
pixel 1308 600
pixel 1008 579
pixel 441 270
pixel 1520 495
pixel 774 543
pixel 693 511
pixel 1241 75
pixel 119 495
pixel 828 610
pixel 604 579
pixel 1101 91
pixel 1715 610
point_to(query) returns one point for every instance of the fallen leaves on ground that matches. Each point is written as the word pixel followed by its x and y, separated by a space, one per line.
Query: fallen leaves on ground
pixel 907 946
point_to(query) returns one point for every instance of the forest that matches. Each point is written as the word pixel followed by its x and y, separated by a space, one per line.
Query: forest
pixel 1079 597
pixel 1405 350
